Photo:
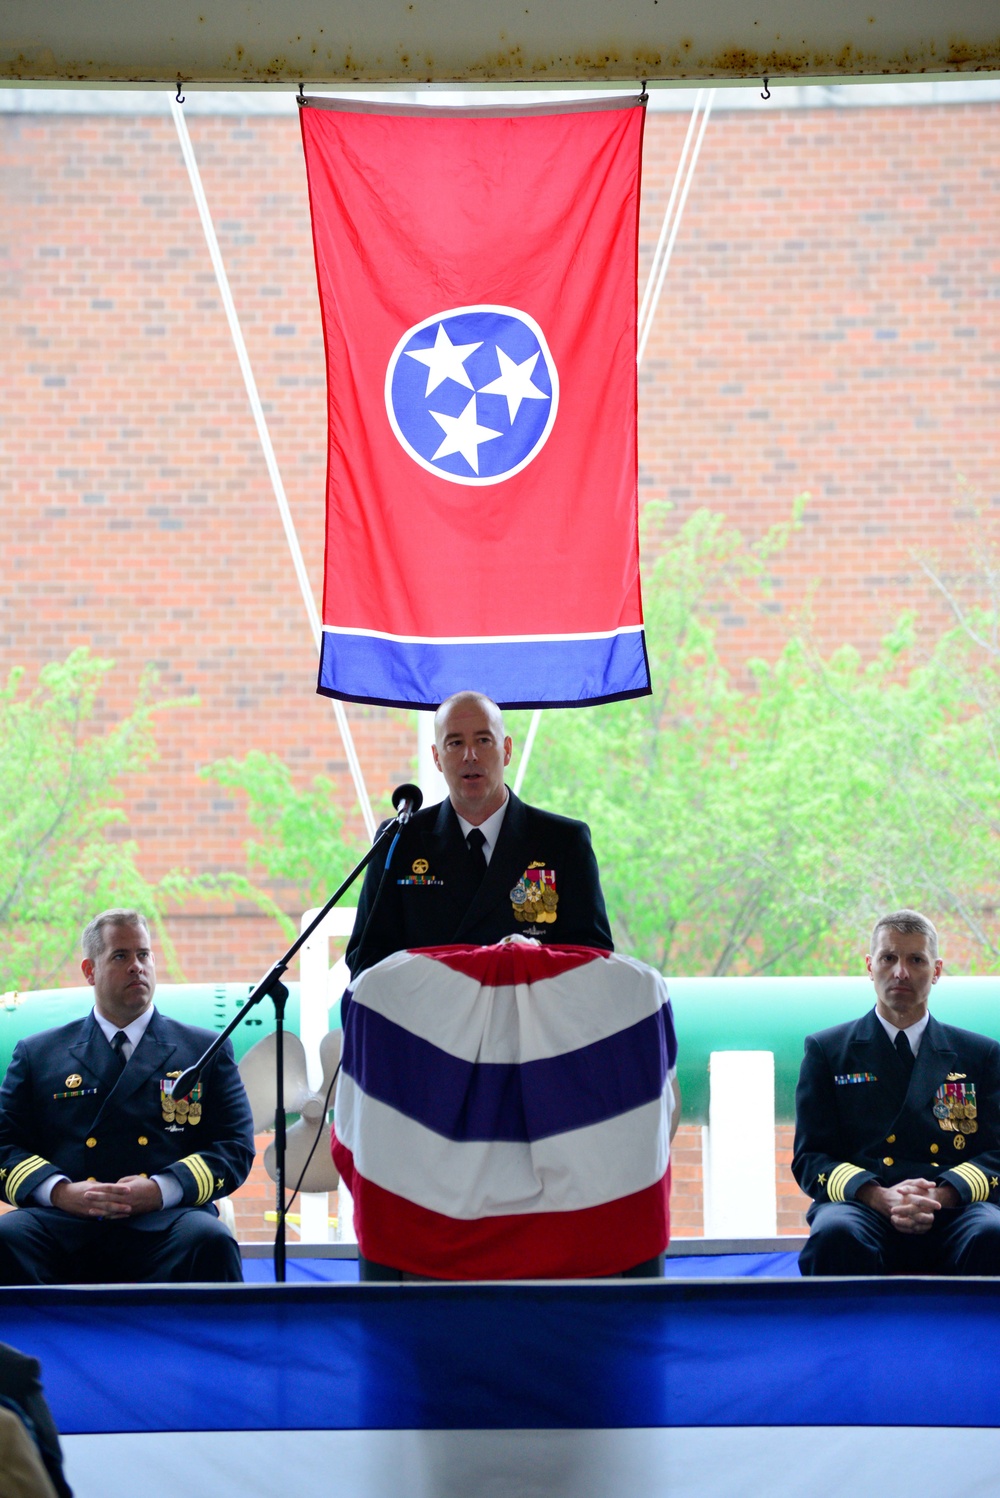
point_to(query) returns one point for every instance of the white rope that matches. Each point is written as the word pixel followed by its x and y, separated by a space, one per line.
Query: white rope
pixel 529 744
pixel 647 309
pixel 657 274
pixel 669 212
pixel 265 441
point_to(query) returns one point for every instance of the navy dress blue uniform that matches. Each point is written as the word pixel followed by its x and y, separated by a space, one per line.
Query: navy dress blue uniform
pixel 861 1115
pixel 67 1108
pixel 431 898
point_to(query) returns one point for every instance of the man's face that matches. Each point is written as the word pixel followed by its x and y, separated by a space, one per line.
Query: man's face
pixel 471 753
pixel 903 971
pixel 124 975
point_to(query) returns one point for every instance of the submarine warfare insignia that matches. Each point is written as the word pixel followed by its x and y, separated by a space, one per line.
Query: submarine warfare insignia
pixel 955 1108
pixel 420 874
pixel 534 895
pixel 185 1110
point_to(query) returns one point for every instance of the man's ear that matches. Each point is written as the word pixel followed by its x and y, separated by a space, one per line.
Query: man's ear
pixel 868 965
pixel 508 745
pixel 436 757
pixel 87 968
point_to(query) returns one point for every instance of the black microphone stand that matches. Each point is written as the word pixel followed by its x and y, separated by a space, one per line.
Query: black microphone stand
pixel 272 986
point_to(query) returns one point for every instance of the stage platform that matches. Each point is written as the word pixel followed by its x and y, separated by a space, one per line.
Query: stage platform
pixel 728 1388
pixel 686 1258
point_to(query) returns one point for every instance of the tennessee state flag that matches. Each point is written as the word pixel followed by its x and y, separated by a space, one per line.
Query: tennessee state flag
pixel 477 280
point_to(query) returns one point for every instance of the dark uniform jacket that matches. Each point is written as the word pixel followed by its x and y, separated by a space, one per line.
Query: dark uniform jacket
pixel 67 1109
pixel 429 898
pixel 857 1120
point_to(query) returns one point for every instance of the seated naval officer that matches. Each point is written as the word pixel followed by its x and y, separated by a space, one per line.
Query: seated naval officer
pixel 113 1180
pixel 481 865
pixel 897 1136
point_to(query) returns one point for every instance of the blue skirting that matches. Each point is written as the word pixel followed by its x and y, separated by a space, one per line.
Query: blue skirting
pixel 533 673
pixel 515 1356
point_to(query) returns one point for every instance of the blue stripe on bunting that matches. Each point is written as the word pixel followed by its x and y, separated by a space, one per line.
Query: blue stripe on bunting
pixel 515 1356
pixel 465 1100
pixel 537 673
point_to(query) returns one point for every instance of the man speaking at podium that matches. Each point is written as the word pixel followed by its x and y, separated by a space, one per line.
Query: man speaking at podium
pixel 481 865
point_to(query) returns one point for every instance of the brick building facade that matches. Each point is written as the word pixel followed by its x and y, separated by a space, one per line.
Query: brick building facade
pixel 830 324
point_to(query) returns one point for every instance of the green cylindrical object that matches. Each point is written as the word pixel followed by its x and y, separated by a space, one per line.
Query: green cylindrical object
pixel 210 1005
pixel 712 1014
pixel 776 1014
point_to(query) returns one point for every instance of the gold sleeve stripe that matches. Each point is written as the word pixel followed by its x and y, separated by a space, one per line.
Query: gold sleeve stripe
pixel 20 1174
pixel 839 1179
pixel 974 1179
pixel 202 1178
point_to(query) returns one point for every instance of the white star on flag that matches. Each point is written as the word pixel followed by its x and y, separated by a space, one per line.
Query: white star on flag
pixel 445 361
pixel 514 382
pixel 463 434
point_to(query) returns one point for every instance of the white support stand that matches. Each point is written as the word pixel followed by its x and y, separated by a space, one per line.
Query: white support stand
pixel 319 987
pixel 738 1163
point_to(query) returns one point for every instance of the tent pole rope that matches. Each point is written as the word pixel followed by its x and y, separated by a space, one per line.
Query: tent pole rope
pixel 529 744
pixel 651 301
pixel 668 214
pixel 265 441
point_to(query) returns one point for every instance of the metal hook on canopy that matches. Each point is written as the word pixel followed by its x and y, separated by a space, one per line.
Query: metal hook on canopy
pixel 180 96
pixel 767 92
pixel 644 97
pixel 302 95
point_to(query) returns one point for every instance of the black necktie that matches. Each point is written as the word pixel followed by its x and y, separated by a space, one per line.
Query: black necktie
pixel 475 842
pixel 118 1046
pixel 903 1051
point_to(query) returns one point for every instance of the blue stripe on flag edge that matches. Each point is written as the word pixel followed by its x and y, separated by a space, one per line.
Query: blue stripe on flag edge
pixel 485 1100
pixel 538 673
pixel 513 1356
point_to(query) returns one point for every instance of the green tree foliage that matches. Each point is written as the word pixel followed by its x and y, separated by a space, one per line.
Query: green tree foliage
pixel 301 842
pixel 62 855
pixel 761 828
pixel 59 858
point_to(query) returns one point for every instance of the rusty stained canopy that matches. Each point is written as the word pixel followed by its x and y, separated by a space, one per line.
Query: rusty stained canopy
pixel 233 43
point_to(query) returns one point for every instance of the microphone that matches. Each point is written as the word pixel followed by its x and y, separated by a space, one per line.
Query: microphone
pixel 406 799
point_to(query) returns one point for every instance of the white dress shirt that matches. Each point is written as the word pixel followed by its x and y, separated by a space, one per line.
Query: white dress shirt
pixel 490 828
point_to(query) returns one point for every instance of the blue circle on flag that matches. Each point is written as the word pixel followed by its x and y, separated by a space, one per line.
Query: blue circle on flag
pixel 472 393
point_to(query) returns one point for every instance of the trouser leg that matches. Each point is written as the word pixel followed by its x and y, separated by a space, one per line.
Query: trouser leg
pixel 42 1246
pixel 970 1243
pixel 846 1238
pixel 193 1247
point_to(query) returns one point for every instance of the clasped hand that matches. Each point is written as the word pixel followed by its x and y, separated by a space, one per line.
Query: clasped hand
pixel 910 1206
pixel 129 1197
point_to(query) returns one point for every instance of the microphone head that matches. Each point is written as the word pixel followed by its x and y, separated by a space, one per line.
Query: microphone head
pixel 411 794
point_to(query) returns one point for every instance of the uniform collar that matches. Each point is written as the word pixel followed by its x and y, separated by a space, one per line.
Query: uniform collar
pixel 914 1033
pixel 133 1032
pixel 490 828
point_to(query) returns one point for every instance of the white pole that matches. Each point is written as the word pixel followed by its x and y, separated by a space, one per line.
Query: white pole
pixel 315 998
pixel 264 435
pixel 668 213
pixel 675 226
pixel 529 744
pixel 429 777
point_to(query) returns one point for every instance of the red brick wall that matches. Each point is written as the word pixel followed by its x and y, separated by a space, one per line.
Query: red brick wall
pixel 830 323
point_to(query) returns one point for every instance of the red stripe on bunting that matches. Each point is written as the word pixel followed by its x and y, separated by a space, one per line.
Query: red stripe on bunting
pixel 508 962
pixel 584 1244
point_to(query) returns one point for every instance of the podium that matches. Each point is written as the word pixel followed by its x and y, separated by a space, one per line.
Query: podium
pixel 504 1112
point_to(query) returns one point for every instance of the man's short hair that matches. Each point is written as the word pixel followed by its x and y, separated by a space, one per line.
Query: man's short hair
pixel 468 694
pixel 92 940
pixel 911 923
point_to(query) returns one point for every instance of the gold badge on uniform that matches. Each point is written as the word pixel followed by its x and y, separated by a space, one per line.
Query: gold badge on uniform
pixel 420 866
pixel 534 896
pixel 179 1111
pixel 955 1108
pixel 74 1079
